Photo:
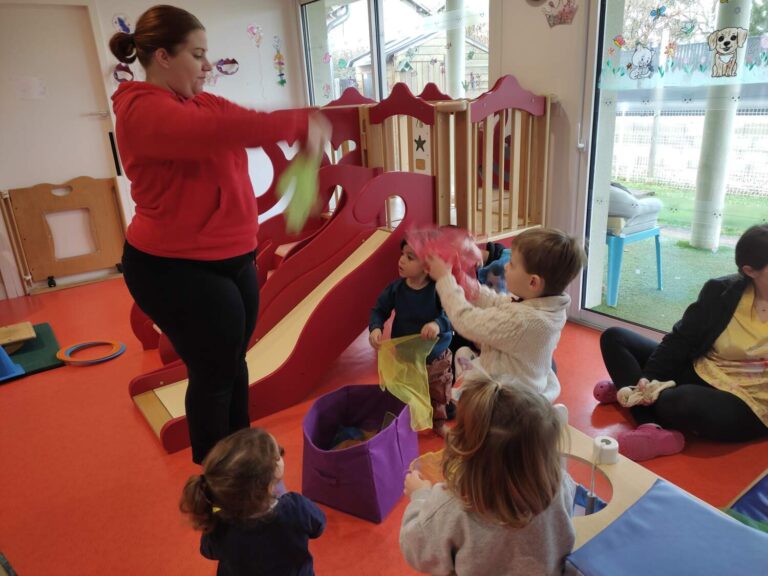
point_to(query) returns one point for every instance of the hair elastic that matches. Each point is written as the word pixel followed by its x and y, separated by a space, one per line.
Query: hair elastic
pixel 65 354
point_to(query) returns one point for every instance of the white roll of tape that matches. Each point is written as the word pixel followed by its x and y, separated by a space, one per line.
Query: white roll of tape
pixel 605 450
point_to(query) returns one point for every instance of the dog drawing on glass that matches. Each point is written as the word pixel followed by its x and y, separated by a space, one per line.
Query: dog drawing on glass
pixel 725 43
pixel 642 59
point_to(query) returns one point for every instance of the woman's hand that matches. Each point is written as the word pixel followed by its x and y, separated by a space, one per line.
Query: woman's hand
pixel 437 267
pixel 414 481
pixel 318 133
pixel 374 338
pixel 430 330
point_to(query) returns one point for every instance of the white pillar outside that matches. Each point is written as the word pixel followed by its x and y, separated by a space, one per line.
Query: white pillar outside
pixel 722 102
pixel 456 42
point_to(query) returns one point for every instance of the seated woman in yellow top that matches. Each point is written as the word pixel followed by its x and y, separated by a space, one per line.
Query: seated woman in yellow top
pixel 709 376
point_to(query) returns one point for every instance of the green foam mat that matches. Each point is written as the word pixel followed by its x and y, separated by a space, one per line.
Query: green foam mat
pixel 39 354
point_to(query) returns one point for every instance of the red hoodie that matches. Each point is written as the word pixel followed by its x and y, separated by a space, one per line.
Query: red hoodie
pixel 188 169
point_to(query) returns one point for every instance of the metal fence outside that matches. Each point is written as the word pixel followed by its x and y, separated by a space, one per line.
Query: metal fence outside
pixel 668 154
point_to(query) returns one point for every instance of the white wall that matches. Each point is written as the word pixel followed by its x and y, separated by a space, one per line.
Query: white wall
pixel 254 85
pixel 553 61
pixel 226 22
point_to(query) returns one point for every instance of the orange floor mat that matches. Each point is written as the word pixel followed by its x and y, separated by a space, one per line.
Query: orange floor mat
pixel 87 489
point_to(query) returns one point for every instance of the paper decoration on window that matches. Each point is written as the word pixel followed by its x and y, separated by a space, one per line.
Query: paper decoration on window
pixel 640 67
pixel 279 61
pixel 326 58
pixel 659 12
pixel 725 44
pixel 560 12
pixel 254 31
pixel 326 91
pixel 227 66
pixel 687 28
pixel 121 23
pixel 122 73
pixel 619 41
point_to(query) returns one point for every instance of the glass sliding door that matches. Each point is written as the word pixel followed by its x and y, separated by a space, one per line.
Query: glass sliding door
pixel 335 34
pixel 356 42
pixel 680 156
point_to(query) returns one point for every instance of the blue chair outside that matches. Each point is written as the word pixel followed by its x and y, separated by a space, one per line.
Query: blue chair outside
pixel 616 245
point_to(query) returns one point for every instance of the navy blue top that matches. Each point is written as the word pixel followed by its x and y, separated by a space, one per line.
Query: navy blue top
pixel 413 309
pixel 276 544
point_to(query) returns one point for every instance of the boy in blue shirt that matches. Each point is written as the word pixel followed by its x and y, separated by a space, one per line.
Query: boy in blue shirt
pixel 418 311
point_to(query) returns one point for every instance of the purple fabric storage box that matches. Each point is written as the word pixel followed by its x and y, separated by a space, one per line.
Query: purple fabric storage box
pixel 365 480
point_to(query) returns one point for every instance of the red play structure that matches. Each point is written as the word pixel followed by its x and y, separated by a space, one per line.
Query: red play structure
pixel 389 169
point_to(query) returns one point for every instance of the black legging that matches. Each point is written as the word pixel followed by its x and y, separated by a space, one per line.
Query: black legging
pixel 693 406
pixel 208 310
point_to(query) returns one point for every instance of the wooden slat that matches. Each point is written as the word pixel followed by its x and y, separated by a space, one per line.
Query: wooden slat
pixel 539 163
pixel 474 189
pixel 389 144
pixel 515 146
pixel 441 167
pixel 525 167
pixel 407 142
pixel 502 124
pixel 488 125
pixel 464 180
pixel 18 249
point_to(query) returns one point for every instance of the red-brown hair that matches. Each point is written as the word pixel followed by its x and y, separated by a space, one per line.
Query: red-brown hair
pixel 159 27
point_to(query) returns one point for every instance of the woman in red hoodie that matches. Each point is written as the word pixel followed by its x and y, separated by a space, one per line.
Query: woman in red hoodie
pixel 189 256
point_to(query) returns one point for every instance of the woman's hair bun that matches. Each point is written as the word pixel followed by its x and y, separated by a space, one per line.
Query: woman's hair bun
pixel 123 47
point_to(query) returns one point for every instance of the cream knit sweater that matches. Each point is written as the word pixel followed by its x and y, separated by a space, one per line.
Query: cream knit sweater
pixel 516 339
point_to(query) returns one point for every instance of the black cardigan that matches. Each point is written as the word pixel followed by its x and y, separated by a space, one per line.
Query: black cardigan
pixel 695 333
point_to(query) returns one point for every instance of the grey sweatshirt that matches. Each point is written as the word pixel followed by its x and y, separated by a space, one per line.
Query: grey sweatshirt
pixel 440 537
pixel 515 338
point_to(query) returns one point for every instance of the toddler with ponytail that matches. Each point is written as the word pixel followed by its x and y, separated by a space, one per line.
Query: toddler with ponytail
pixel 245 526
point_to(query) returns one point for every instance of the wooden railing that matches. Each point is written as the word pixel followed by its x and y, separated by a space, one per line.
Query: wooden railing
pixel 489 156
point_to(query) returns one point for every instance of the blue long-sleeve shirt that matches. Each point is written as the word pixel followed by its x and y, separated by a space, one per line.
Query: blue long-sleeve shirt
pixel 274 545
pixel 413 309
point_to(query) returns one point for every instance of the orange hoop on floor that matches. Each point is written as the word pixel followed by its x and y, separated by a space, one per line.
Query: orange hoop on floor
pixel 65 354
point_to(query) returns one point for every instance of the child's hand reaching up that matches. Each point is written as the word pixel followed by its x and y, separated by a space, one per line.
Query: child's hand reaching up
pixel 430 331
pixel 414 481
pixel 437 267
pixel 374 338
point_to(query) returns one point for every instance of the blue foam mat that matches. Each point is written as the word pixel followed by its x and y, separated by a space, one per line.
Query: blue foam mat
pixel 754 503
pixel 667 532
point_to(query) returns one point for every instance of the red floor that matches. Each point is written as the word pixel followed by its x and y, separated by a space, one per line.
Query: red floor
pixel 86 489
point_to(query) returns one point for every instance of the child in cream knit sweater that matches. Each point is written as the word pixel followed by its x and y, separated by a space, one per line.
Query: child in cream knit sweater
pixel 517 334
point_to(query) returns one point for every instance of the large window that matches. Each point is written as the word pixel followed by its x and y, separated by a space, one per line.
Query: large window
pixel 680 163
pixel 373 44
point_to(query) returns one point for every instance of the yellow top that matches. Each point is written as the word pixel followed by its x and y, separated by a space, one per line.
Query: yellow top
pixel 738 360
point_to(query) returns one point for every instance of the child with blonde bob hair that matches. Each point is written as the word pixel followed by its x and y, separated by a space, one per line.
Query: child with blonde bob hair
pixel 506 504
pixel 245 526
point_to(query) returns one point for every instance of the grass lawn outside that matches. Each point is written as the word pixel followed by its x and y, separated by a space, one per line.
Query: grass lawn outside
pixel 684 271
pixel 740 212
